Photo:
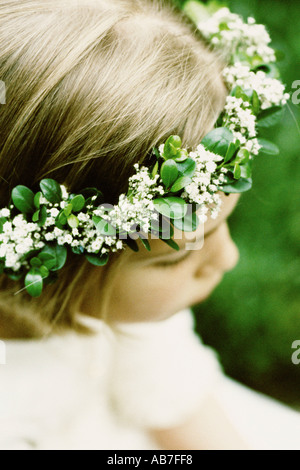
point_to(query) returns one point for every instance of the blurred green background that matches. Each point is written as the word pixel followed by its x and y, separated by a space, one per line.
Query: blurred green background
pixel 253 316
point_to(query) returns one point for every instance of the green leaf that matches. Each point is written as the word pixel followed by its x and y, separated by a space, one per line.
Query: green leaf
pixel 232 148
pixel 246 170
pixel 36 199
pixel 169 172
pixel 35 262
pixel 23 199
pixel 43 256
pixel 43 216
pixel 73 221
pixel 245 94
pixel 155 170
pixel 156 152
pixel 68 210
pixel 36 216
pixel 218 141
pixel 189 223
pixel 59 257
pixel 239 186
pixel 268 147
pixel 34 282
pixel 242 156
pixel 269 117
pixel 104 227
pixel 50 263
pixel 132 244
pixel 61 219
pixel 187 168
pixel 237 171
pixel 255 103
pixel 171 207
pixel 171 243
pixel 145 243
pixel 181 155
pixel 44 271
pixel 78 203
pixel 181 183
pixel 51 190
pixel 97 260
pixel 171 147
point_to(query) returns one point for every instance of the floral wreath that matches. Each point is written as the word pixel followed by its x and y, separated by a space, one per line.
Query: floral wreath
pixel 36 230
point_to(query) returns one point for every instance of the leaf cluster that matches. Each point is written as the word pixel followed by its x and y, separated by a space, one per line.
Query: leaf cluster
pixel 43 264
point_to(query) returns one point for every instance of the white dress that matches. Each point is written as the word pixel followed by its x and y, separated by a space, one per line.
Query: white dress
pixel 102 392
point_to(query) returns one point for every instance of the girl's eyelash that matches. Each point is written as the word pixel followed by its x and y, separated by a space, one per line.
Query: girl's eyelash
pixel 167 264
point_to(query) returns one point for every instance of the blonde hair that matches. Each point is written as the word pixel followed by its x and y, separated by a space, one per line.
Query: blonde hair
pixel 91 87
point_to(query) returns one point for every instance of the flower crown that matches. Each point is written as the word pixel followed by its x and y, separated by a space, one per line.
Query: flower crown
pixel 182 187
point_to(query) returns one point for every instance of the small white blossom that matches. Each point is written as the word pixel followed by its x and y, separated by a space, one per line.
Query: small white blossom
pixel 270 91
pixel 54 212
pixel 119 245
pixel 64 192
pixel 204 182
pixel 228 32
pixel 7 227
pixel 4 212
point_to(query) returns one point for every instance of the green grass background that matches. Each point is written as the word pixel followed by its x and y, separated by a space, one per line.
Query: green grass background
pixel 253 316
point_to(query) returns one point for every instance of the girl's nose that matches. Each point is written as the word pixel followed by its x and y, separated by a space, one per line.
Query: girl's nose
pixel 226 254
pixel 223 253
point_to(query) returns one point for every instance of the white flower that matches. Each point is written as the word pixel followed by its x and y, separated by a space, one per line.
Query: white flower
pixel 4 212
pixel 57 232
pixel 49 236
pixel 7 227
pixel 54 212
pixel 204 182
pixel 96 245
pixel 270 91
pixel 64 191
pixel 229 33
pixel 82 217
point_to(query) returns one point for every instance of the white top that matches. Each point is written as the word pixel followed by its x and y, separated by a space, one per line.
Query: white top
pixel 103 391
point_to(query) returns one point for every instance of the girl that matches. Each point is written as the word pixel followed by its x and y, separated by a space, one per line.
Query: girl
pixel 106 358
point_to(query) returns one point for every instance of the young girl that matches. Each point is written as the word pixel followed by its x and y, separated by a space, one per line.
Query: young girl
pixel 106 357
